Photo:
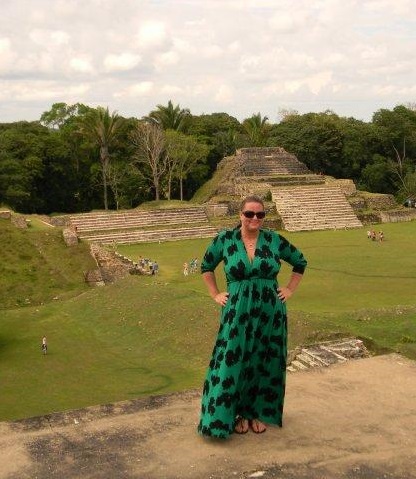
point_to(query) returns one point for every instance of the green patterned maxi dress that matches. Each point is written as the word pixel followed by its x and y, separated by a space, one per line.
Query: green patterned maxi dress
pixel 247 372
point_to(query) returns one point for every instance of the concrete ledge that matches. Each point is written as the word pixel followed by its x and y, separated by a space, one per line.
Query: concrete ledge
pixel 355 420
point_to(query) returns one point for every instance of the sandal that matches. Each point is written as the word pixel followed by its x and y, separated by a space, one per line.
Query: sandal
pixel 241 425
pixel 257 426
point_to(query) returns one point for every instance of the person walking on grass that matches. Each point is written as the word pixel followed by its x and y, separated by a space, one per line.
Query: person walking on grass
pixel 44 345
pixel 244 386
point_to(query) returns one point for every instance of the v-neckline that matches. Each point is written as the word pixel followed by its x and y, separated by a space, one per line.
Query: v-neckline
pixel 251 260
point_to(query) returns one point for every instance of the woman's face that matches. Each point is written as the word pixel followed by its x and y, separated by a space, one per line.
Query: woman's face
pixel 254 223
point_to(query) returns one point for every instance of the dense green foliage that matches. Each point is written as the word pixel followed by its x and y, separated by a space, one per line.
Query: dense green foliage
pixel 78 158
pixel 148 335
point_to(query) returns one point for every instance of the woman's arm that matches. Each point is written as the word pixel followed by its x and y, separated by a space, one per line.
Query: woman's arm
pixel 284 293
pixel 211 282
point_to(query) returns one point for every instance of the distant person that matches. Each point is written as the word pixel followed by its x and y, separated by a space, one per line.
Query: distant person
pixel 245 382
pixel 381 236
pixel 155 268
pixel 369 234
pixel 44 345
pixel 185 269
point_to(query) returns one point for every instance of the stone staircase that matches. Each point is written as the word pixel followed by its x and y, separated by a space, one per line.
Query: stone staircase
pixel 151 236
pixel 137 219
pixel 325 354
pixel 138 226
pixel 269 162
pixel 305 208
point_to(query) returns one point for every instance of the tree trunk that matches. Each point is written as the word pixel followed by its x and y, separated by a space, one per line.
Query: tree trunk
pixel 104 161
pixel 181 187
pixel 157 194
pixel 105 189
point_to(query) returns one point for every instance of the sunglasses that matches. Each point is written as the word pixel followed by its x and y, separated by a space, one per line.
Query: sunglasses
pixel 251 214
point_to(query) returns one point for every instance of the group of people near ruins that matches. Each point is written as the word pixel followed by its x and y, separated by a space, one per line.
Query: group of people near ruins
pixel 373 236
pixel 148 265
pixel 190 267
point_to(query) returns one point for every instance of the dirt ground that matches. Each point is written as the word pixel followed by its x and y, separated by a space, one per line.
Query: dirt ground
pixel 355 420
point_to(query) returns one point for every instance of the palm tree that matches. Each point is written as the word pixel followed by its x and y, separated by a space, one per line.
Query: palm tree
pixel 257 129
pixel 103 129
pixel 170 117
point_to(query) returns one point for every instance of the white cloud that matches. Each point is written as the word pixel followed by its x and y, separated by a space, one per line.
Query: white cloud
pixel 283 22
pixel 171 90
pixel 250 55
pixel 7 56
pixel 24 91
pixel 166 59
pixel 224 95
pixel 151 34
pixel 122 62
pixel 136 90
pixel 49 38
pixel 212 51
pixel 81 65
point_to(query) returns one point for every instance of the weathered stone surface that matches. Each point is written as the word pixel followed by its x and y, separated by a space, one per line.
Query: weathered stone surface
pixel 216 209
pixel 113 266
pixel 326 353
pixel 70 237
pixel 380 201
pixel 94 277
pixel 19 221
pixel 355 420
pixel 346 186
pixel 397 216
pixel 59 220
pixel 5 214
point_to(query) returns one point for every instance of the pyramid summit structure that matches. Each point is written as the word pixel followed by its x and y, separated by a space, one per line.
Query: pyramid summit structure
pixel 304 200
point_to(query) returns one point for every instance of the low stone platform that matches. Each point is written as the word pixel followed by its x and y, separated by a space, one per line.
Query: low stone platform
pixel 326 353
pixel 353 420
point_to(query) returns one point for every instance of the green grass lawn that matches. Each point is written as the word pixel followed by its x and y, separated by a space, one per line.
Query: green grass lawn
pixel 149 335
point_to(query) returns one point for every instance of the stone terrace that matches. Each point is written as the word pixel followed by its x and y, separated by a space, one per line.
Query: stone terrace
pixel 134 226
pixel 304 200
pixel 149 236
pixel 275 166
pixel 314 208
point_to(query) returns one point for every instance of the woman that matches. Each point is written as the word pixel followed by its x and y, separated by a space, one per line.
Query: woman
pixel 245 382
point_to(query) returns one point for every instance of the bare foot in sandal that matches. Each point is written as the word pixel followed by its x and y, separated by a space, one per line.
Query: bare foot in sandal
pixel 257 426
pixel 241 425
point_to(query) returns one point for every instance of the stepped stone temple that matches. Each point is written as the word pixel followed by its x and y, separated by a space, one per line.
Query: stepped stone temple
pixel 139 226
pixel 303 199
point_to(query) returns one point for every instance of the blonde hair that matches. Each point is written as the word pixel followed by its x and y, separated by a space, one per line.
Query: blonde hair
pixel 251 199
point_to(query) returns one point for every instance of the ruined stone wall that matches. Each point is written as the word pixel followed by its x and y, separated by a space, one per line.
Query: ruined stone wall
pixel 19 221
pixel 59 220
pixel 70 236
pixel 346 186
pixel 5 214
pixel 397 216
pixel 110 267
pixel 380 201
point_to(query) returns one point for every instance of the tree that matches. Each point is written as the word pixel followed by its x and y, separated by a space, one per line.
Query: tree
pixel 22 146
pixel 104 130
pixel 170 117
pixel 376 176
pixel 257 129
pixel 149 143
pixel 60 113
pixel 184 152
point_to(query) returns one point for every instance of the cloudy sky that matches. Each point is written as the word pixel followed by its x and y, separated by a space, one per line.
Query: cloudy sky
pixel 237 56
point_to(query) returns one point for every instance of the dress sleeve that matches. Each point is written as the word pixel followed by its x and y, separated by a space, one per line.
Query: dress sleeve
pixel 214 254
pixel 292 255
